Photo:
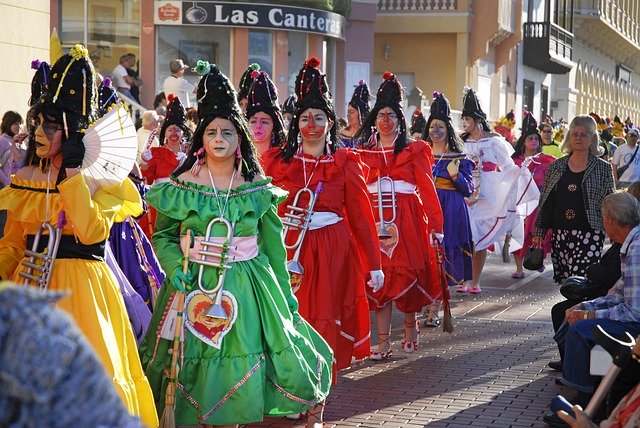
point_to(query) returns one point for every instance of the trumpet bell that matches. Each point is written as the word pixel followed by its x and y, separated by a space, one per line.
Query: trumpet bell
pixel 216 311
pixel 294 267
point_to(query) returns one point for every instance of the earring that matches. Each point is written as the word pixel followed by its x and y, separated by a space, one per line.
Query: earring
pixel 373 140
pixel 238 152
pixel 299 139
pixel 327 138
pixel 201 159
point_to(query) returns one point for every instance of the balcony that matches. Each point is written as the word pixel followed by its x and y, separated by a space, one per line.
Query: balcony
pixel 547 47
pixel 416 5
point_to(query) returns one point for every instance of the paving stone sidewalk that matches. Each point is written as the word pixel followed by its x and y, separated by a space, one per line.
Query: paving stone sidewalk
pixel 491 372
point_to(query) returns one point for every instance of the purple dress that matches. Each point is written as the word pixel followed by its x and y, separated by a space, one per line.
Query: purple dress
pixel 458 243
pixel 141 267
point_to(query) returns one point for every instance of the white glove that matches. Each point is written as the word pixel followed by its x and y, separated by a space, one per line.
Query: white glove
pixel 377 280
pixel 439 237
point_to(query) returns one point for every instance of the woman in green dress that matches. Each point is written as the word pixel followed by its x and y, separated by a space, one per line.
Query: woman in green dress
pixel 258 357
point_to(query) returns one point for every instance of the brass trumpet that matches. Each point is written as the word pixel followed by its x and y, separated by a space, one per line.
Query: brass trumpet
pixel 386 200
pixel 220 251
pixel 40 274
pixel 299 218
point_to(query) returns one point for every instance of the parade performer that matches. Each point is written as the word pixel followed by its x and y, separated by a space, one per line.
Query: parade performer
pixel 51 183
pixel 263 113
pixel 248 354
pixel 501 187
pixel 162 161
pixel 288 108
pixel 336 253
pixel 452 173
pixel 130 247
pixel 504 126
pixel 357 110
pixel 399 171
pixel 246 80
pixel 418 125
pixel 528 153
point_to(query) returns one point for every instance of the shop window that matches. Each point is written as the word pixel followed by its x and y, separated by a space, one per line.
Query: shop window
pixel 527 95
pixel 261 50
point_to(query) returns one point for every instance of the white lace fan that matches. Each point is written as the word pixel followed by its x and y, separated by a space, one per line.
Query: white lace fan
pixel 111 145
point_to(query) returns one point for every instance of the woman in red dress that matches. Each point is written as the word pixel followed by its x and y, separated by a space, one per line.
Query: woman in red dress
pixel 263 113
pixel 162 161
pixel 337 253
pixel 408 261
pixel 528 151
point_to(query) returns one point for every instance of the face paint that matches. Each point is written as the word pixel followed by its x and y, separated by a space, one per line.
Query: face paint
pixel 386 121
pixel 531 142
pixel 437 130
pixel 313 124
pixel 220 139
pixel 468 124
pixel 261 127
pixel 173 134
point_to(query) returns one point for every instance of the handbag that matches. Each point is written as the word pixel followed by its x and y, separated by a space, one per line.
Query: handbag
pixel 534 259
pixel 577 288
pixel 623 168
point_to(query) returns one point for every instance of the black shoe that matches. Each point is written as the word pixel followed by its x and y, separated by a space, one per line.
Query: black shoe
pixel 558 380
pixel 555 365
pixel 554 421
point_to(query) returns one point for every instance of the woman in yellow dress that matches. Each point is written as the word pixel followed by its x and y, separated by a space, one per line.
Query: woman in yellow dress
pixel 51 184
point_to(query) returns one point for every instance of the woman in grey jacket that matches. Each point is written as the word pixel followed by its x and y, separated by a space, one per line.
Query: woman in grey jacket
pixel 573 191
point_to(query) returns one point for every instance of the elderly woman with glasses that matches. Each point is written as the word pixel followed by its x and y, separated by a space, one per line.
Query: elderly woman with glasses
pixel 574 188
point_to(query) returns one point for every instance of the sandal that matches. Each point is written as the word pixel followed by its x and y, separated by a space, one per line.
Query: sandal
pixel 518 275
pixel 410 346
pixel 432 317
pixel 314 416
pixel 377 355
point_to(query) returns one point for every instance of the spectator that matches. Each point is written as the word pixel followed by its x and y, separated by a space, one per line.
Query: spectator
pixel 134 74
pixel 626 161
pixel 549 146
pixel 121 79
pixel 617 312
pixel 150 122
pixel 50 375
pixel 11 138
pixel 177 85
pixel 574 188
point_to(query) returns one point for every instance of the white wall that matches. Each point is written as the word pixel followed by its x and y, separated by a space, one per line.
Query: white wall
pixel 24 36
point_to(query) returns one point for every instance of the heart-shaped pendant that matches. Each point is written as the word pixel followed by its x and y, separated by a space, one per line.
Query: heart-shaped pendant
pixel 208 329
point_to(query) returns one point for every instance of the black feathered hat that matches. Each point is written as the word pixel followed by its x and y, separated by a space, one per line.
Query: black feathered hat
pixel 289 105
pixel 472 105
pixel 246 80
pixel 40 80
pixel 106 95
pixel 176 115
pixel 263 95
pixel 418 122
pixel 360 99
pixel 440 108
pixel 529 124
pixel 312 90
pixel 389 93
pixel 216 94
pixel 72 96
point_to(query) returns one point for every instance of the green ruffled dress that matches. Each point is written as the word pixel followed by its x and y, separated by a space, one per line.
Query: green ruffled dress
pixel 268 360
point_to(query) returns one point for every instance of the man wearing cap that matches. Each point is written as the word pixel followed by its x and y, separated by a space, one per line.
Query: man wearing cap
pixel 177 85
pixel 626 160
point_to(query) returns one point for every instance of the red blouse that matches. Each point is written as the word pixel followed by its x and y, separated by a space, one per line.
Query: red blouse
pixel 161 165
pixel 412 165
pixel 344 192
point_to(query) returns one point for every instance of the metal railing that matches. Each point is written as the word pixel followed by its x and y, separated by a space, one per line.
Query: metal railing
pixel 416 5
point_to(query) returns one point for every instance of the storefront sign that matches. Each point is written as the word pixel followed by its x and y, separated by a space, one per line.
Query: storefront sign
pixel 248 15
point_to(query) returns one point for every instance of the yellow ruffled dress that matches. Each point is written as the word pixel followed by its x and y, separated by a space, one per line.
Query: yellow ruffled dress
pixel 94 299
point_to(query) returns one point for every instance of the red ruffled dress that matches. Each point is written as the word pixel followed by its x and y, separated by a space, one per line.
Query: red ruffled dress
pixel 162 163
pixel 338 256
pixel 408 260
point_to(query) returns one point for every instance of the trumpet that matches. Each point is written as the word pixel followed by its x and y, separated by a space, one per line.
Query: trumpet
pixel 40 273
pixel 299 218
pixel 476 175
pixel 219 251
pixel 386 199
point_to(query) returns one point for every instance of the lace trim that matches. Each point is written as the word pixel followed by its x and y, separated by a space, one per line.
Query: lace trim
pixel 323 160
pixel 207 193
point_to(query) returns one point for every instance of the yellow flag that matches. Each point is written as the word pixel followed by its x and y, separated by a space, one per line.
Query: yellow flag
pixel 55 47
